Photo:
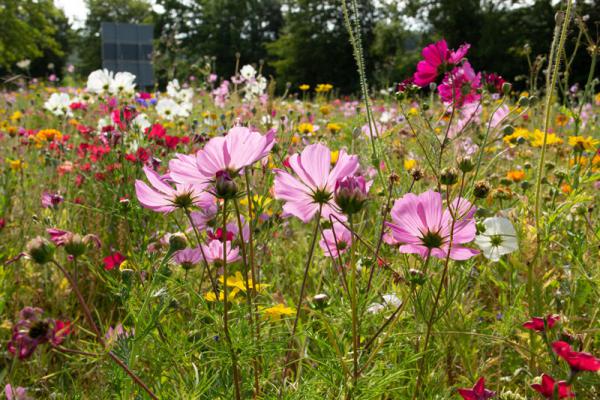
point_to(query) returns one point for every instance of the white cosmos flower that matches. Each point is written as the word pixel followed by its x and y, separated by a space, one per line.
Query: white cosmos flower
pixel 389 300
pixel 169 109
pixel 99 81
pixel 58 104
pixel 123 83
pixel 141 122
pixel 498 239
pixel 182 96
pixel 248 72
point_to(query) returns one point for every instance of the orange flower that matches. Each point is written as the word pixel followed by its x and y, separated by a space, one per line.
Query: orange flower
pixel 516 175
pixel 566 188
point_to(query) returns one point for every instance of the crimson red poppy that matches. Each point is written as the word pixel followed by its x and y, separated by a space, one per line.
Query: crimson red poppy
pixel 477 392
pixel 113 261
pixel 540 324
pixel 546 388
pixel 578 361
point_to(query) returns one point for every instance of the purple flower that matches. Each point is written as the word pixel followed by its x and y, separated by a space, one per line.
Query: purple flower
pixel 51 200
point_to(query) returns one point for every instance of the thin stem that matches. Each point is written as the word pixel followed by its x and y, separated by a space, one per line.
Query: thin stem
pixel 234 365
pixel 301 295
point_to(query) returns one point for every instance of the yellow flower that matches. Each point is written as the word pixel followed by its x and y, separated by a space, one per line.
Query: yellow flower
pixel 16 116
pixel 16 165
pixel 516 175
pixel 413 111
pixel 212 297
pixel 409 164
pixel 325 109
pixel 538 139
pixel 582 143
pixel 306 128
pixel 519 133
pixel 597 98
pixel 295 139
pixel 334 127
pixel 334 157
pixel 323 87
pixel 304 87
pixel 259 202
pixel 238 282
pixel 278 311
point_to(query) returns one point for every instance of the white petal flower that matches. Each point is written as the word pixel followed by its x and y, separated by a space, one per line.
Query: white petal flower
pixel 99 81
pixel 58 104
pixel 498 239
pixel 123 83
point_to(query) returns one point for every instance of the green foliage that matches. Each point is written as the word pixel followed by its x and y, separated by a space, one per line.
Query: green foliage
pixel 30 29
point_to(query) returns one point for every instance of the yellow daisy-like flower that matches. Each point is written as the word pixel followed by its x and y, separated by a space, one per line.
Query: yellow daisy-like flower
pixel 306 128
pixel 259 202
pixel 16 165
pixel 538 139
pixel 519 133
pixel 212 297
pixel 582 143
pixel 48 135
pixel 238 282
pixel 334 127
pixel 325 109
pixel 278 311
pixel 413 112
pixel 16 116
pixel 304 87
pixel 323 87
pixel 561 120
pixel 409 164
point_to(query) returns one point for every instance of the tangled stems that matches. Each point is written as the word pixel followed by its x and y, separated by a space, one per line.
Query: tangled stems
pixel 88 316
pixel 234 365
pixel 206 266
pixel 301 296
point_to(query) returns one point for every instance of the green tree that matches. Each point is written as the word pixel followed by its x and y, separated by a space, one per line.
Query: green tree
pixel 29 31
pixel 314 46
pixel 89 43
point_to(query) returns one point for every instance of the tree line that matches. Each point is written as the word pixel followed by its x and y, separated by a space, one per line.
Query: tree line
pixel 299 41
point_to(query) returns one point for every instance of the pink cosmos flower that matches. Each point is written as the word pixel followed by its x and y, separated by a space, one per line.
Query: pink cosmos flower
pixel 478 392
pixel 163 198
pixel 214 252
pixel 240 148
pixel 187 258
pixel 437 58
pixel 460 86
pixel 546 388
pixel 336 241
pixel 422 225
pixel 18 393
pixel 316 184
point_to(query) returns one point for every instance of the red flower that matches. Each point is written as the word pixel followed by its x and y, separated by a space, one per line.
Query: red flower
pixel 157 131
pixel 578 361
pixel 113 261
pixel 171 141
pixel 478 392
pixel 2 223
pixel 539 324
pixel 78 106
pixel 60 331
pixel 546 388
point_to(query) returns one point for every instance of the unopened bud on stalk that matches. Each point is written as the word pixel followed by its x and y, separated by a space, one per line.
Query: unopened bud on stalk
pixel 74 245
pixel 449 176
pixel 506 88
pixel 225 187
pixel 416 173
pixel 351 194
pixel 40 250
pixel 523 101
pixel 177 241
pixel 465 164
pixel 481 189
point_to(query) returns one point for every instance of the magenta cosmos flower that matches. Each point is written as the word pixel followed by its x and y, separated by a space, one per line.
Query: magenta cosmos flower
pixel 477 392
pixel 316 181
pixel 461 86
pixel 547 386
pixel 577 360
pixel 436 59
pixel 422 225
pixel 335 241
pixel 161 197
pixel 240 148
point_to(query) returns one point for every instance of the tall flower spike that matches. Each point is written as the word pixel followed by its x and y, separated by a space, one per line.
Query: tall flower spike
pixel 316 182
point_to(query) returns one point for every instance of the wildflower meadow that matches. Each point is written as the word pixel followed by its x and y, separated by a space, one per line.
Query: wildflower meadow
pixel 218 238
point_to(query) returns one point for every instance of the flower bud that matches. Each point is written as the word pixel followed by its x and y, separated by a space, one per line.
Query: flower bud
pixel 225 187
pixel 177 241
pixel 74 245
pixel 320 301
pixel 506 88
pixel 449 176
pixel 465 164
pixel 481 189
pixel 508 130
pixel 416 173
pixel 523 101
pixel 40 250
pixel 351 194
